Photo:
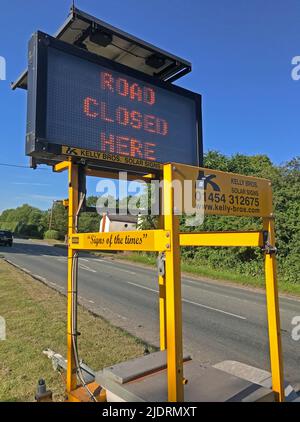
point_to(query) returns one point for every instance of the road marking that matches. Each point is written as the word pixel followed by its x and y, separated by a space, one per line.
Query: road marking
pixel 84 259
pixel 52 255
pixel 111 265
pixel 214 309
pixel 203 284
pixel 143 287
pixel 125 271
pixel 84 267
pixel 193 303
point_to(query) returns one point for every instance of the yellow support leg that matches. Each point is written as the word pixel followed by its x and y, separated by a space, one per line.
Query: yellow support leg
pixel 162 313
pixel 276 358
pixel 162 300
pixel 173 295
pixel 71 380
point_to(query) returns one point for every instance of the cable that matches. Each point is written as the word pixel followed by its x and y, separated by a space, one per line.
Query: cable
pixel 74 332
pixel 74 325
pixel 19 166
pixel 127 51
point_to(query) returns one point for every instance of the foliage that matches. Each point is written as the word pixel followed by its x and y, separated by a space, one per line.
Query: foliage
pixel 51 234
pixel 24 221
pixel 59 220
pixel 89 221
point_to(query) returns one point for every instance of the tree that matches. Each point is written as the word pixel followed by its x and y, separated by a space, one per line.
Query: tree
pixel 59 219
pixel 24 221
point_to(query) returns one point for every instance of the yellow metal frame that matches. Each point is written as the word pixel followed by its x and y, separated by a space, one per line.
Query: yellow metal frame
pixel 71 295
pixel 168 240
pixel 276 357
pixel 173 295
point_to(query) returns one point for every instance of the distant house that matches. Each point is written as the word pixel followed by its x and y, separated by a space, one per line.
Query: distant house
pixel 117 223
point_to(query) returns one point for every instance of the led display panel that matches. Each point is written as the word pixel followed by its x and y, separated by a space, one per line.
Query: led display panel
pixel 86 106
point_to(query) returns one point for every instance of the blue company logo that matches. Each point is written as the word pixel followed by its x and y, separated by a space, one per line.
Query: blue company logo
pixel 2 69
pixel 296 69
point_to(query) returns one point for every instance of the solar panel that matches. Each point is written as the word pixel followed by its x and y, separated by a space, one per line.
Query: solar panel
pixel 102 39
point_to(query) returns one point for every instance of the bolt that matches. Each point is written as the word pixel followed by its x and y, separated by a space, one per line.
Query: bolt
pixel 168 246
pixel 168 234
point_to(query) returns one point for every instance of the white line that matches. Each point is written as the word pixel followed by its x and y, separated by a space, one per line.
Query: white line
pixel 125 271
pixel 52 256
pixel 193 303
pixel 100 261
pixel 213 309
pixel 84 267
pixel 84 259
pixel 143 287
pixel 112 266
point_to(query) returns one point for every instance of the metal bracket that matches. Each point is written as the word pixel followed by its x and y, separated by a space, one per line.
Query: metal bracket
pixel 161 264
pixel 267 247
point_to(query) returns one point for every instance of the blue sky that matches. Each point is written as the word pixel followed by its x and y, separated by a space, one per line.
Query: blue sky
pixel 241 53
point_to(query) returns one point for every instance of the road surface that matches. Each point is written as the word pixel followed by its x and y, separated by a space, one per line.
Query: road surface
pixel 220 321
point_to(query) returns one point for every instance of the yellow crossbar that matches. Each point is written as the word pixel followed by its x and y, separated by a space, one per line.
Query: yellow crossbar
pixel 252 239
pixel 139 240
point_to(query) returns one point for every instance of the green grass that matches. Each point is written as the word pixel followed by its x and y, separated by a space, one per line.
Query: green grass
pixel 213 274
pixel 35 320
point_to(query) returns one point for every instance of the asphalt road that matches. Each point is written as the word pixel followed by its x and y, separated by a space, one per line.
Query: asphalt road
pixel 220 321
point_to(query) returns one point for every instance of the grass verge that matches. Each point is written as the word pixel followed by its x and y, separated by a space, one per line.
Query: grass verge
pixel 35 318
pixel 213 274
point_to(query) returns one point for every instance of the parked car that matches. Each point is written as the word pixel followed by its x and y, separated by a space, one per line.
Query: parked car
pixel 6 238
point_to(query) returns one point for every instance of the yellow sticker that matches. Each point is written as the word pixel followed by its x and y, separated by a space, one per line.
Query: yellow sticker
pixel 230 193
pixel 237 195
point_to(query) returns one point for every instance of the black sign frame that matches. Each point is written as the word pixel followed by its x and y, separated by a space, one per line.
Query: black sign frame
pixel 42 150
